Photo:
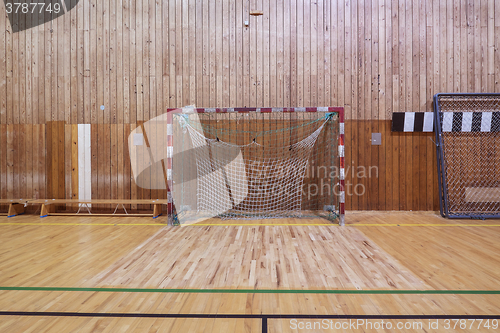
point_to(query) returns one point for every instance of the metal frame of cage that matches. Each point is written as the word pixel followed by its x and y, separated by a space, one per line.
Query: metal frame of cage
pixel 444 206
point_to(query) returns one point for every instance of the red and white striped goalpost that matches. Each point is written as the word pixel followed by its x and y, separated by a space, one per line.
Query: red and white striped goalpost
pixel 339 110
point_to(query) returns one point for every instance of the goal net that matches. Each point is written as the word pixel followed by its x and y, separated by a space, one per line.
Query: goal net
pixel 468 152
pixel 256 165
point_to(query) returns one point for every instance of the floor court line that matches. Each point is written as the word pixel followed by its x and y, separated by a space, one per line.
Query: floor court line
pixel 260 291
pixel 241 316
pixel 250 225
pixel 83 224
pixel 348 225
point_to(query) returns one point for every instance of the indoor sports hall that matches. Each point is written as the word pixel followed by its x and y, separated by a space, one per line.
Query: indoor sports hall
pixel 258 166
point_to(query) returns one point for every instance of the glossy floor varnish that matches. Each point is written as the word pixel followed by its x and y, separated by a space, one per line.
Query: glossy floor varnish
pixel 110 265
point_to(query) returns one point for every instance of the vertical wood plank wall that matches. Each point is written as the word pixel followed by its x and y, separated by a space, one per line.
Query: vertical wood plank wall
pixel 139 57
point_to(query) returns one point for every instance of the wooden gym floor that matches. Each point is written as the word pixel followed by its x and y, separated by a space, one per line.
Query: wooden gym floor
pixel 78 274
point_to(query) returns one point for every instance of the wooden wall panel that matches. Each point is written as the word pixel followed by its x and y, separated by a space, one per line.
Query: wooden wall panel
pixel 55 161
pixel 398 175
pixel 139 57
pixel 22 158
pixel 73 163
pixel 39 157
pixel 377 176
pixel 3 161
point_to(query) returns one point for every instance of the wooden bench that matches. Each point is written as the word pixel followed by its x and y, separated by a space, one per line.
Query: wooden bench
pixel 49 209
pixel 16 206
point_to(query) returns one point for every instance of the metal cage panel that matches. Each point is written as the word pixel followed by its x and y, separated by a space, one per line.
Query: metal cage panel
pixel 468 154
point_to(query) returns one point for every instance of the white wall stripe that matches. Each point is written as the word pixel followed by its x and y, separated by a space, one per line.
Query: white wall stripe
pixel 467 122
pixel 84 163
pixel 88 164
pixel 409 122
pixel 81 158
pixel 486 121
pixel 447 121
pixel 428 121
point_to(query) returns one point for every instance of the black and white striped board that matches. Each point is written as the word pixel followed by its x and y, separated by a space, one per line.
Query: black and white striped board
pixel 413 122
pixel 450 121
pixel 470 121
